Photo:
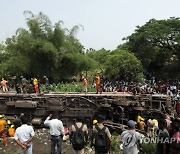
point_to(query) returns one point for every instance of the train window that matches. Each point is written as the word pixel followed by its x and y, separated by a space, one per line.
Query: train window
pixel 155 105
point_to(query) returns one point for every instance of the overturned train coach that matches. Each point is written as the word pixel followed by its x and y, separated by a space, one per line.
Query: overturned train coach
pixel 117 108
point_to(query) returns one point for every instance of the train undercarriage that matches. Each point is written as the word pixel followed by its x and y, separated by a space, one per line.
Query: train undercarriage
pixel 117 107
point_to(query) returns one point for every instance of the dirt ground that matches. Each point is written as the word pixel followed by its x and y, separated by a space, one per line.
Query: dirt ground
pixel 41 144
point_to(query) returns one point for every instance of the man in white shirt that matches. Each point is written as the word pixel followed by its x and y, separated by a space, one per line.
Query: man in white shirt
pixel 56 132
pixel 24 136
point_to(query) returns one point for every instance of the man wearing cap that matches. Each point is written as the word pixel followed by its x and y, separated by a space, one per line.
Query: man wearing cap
pixel 2 131
pixel 95 122
pixel 130 139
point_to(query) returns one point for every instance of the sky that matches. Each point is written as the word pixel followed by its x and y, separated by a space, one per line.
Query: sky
pixel 105 22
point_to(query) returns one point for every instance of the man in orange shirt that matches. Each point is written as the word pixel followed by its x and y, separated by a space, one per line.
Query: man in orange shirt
pixel 98 84
pixel 2 130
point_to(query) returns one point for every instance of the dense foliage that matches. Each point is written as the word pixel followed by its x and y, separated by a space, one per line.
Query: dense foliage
pixel 123 65
pixel 54 51
pixel 44 49
pixel 157 45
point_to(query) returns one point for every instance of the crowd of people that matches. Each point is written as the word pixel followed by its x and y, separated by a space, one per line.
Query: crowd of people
pixel 103 84
pixel 164 132
pixel 100 83
pixel 23 85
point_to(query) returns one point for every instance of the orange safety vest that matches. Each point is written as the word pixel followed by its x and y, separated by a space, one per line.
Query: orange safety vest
pixel 85 82
pixel 3 83
pixel 2 124
pixel 97 80
pixel 11 132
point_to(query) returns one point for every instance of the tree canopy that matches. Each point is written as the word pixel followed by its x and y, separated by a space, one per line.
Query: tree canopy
pixel 124 65
pixel 156 44
pixel 54 51
pixel 44 49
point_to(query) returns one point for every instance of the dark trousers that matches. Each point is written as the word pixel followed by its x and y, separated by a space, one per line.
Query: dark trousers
pixel 56 141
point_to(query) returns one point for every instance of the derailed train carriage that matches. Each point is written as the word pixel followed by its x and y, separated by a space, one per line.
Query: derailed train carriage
pixel 117 107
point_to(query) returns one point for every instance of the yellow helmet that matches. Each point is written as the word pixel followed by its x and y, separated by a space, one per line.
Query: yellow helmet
pixel 142 119
pixel 95 122
pixel 8 122
pixel 1 116
pixel 12 126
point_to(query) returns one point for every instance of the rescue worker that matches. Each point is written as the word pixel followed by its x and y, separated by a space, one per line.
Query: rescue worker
pixel 35 84
pixel 2 130
pixel 98 84
pixel 140 120
pixel 156 127
pixel 4 85
pixel 11 131
pixel 90 131
pixel 95 122
pixel 142 125
pixel 8 123
pixel 84 82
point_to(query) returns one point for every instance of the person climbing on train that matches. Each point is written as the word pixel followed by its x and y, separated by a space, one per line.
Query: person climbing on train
pixel 45 81
pixel 84 83
pixel 98 83
pixel 35 84
pixel 2 130
pixel 4 85
pixel 24 84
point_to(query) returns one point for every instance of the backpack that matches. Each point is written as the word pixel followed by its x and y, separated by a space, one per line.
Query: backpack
pixel 78 138
pixel 102 142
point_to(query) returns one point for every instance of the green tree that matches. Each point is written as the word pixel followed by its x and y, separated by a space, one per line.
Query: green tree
pixel 44 49
pixel 157 45
pixel 123 64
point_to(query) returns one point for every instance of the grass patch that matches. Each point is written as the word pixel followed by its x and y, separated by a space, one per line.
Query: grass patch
pixel 67 87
